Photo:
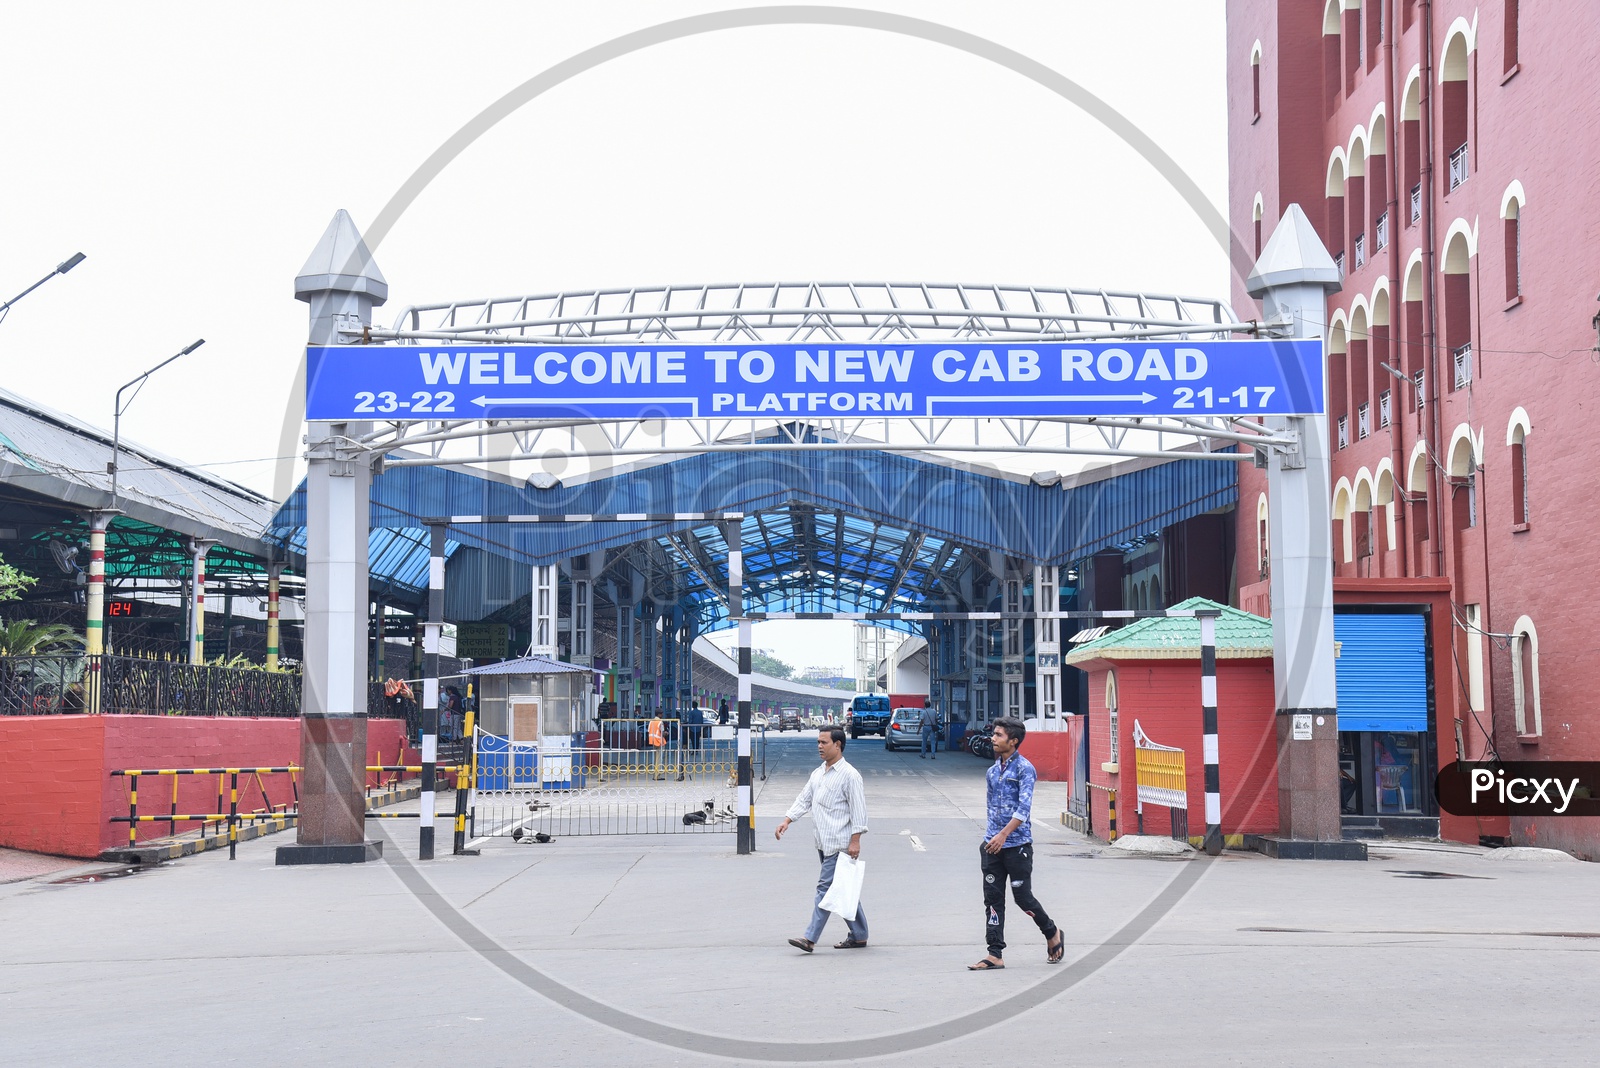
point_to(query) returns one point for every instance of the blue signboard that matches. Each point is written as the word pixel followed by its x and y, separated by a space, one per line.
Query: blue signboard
pixel 872 379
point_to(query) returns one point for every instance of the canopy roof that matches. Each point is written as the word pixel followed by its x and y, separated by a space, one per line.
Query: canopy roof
pixel 821 531
pixel 1240 635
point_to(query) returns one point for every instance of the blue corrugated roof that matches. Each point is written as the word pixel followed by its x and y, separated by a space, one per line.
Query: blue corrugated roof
pixel 823 531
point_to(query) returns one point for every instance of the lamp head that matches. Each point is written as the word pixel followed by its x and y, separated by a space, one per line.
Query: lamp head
pixel 68 264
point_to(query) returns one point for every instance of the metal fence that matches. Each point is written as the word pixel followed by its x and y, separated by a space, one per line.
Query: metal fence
pixel 43 685
pixel 610 781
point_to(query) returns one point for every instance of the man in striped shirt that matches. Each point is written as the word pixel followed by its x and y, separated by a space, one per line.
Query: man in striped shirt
pixel 837 801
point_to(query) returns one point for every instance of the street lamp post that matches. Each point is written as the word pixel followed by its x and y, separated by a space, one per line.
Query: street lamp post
pixel 61 268
pixel 116 417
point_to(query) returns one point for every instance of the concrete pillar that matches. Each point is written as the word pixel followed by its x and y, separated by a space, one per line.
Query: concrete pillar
pixel 1293 278
pixel 342 285
pixel 95 608
pixel 274 607
pixel 198 547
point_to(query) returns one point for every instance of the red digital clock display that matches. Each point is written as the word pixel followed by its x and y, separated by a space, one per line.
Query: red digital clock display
pixel 122 608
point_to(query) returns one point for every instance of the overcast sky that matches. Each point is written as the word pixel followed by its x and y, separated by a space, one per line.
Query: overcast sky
pixel 195 153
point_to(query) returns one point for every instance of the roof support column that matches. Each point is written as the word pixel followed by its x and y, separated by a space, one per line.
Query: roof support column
pixel 274 606
pixel 342 285
pixel 94 645
pixel 1047 646
pixel 1013 662
pixel 198 547
pixel 1294 277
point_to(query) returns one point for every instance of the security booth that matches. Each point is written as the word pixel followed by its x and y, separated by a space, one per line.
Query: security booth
pixel 532 713
pixel 1145 727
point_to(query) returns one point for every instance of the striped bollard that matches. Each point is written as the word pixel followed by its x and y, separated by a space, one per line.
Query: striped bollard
pixel 745 804
pixel 433 630
pixel 1208 725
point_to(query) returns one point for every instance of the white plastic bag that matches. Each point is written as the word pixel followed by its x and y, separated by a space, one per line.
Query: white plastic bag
pixel 844 895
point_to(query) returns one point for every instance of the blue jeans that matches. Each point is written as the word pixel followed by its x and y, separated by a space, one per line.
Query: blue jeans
pixel 819 916
pixel 930 741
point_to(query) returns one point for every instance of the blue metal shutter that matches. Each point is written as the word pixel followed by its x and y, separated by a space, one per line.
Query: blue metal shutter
pixel 1382 672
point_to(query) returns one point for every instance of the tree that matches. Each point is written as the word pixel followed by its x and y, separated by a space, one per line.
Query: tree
pixel 27 638
pixel 767 664
pixel 13 582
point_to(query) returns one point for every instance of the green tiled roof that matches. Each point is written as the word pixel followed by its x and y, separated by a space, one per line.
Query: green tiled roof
pixel 1239 635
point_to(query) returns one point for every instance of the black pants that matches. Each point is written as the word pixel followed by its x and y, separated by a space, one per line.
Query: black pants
pixel 1016 866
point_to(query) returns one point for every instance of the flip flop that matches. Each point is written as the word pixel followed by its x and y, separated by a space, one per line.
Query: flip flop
pixel 849 943
pixel 1055 956
pixel 985 965
pixel 803 944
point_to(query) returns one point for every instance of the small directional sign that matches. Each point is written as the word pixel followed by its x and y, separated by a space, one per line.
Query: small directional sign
pixel 875 380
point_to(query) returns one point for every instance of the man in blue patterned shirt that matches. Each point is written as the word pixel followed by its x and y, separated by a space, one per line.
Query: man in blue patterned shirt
pixel 1007 851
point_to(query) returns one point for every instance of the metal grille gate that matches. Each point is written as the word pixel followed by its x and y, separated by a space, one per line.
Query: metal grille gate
pixel 611 781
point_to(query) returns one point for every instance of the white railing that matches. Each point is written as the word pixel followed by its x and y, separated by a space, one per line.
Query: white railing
pixel 1421 393
pixel 1363 420
pixel 1462 360
pixel 1380 232
pixel 1458 167
pixel 1416 202
pixel 1385 408
pixel 1344 431
pixel 1361 250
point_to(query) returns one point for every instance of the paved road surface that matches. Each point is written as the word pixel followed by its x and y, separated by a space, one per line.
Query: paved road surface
pixel 1256 961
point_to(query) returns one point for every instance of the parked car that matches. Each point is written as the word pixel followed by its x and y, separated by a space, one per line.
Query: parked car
pixel 789 720
pixel 758 721
pixel 905 730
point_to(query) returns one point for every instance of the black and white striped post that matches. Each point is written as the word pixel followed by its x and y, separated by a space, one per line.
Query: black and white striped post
pixel 1208 727
pixel 432 632
pixel 745 805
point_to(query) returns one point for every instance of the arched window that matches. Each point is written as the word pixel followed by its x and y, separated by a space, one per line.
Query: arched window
pixel 1360 369
pixel 1517 439
pixel 1156 604
pixel 1380 352
pixel 1464 478
pixel 1525 678
pixel 1355 199
pixel 1383 495
pixel 1454 66
pixel 1112 724
pixel 1255 214
pixel 1255 82
pixel 1331 78
pixel 1417 499
pixel 1411 354
pixel 1378 178
pixel 1459 249
pixel 1361 520
pixel 1263 536
pixel 1339 381
pixel 1511 214
pixel 1350 31
pixel 1342 534
pixel 1411 148
pixel 1333 222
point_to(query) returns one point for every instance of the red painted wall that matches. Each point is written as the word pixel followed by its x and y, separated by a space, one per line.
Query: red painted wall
pixel 1164 696
pixel 57 796
pixel 1521 126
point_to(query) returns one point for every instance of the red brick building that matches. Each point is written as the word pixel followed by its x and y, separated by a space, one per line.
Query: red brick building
pixel 1449 154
